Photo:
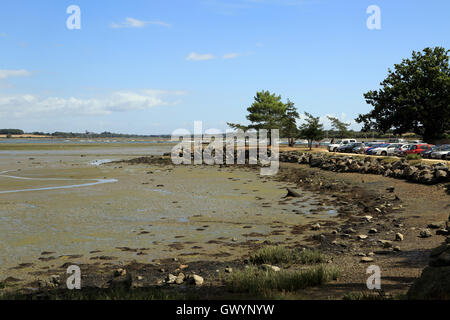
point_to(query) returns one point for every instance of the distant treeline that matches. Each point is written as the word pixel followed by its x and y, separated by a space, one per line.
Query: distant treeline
pixel 80 135
pixel 11 131
pixel 328 134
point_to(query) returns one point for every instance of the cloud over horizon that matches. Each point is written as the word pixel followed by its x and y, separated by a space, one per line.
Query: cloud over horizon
pixel 135 23
pixel 5 74
pixel 24 105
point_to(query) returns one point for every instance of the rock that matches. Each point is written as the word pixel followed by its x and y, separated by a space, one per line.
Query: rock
pixel 171 278
pixel 180 278
pixel 385 243
pixel 198 281
pixel 120 272
pixel 268 267
pixel 292 193
pixel 366 260
pixel 367 218
pixel 390 189
pixel 425 233
pixel 315 227
pixel 123 282
pixel 228 270
pixel 399 237
pixel 378 210
pixel 373 230
pixel 433 284
pixel 396 249
pixel 362 237
pixel 442 232
pixel 435 225
pixel 234 239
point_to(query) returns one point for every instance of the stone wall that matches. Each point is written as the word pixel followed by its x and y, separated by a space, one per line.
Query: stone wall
pixel 401 169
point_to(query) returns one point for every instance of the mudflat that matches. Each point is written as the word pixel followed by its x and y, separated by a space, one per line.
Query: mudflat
pixel 153 218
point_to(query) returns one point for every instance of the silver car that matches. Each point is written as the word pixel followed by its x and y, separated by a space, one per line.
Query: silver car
pixel 441 152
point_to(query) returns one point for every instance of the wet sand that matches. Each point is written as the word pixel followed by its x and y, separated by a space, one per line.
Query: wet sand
pixel 148 212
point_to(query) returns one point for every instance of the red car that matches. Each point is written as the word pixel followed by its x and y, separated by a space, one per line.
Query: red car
pixel 418 148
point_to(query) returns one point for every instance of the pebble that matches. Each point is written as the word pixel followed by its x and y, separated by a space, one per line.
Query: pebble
pixel 315 227
pixel 399 237
pixel 425 233
pixel 366 259
pixel 373 230
pixel 198 280
pixel 228 270
pixel 362 237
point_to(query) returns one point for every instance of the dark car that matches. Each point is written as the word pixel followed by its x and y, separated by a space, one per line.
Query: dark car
pixel 348 148
pixel 427 153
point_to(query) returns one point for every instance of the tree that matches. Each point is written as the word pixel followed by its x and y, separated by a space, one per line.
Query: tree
pixel 340 127
pixel 266 112
pixel 311 130
pixel 415 97
pixel 289 127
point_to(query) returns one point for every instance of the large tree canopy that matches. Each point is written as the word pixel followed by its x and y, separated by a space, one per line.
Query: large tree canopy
pixel 415 97
pixel 269 112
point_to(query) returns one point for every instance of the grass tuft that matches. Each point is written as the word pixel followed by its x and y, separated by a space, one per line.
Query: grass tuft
pixel 282 255
pixel 259 282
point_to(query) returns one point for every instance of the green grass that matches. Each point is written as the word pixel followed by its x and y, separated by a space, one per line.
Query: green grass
pixel 377 295
pixel 257 282
pixel 278 255
pixel 413 157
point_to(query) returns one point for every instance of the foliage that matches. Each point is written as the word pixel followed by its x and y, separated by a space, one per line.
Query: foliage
pixel 340 127
pixel 414 97
pixel 259 282
pixel 311 130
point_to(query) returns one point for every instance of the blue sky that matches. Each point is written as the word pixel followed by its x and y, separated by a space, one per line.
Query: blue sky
pixel 152 66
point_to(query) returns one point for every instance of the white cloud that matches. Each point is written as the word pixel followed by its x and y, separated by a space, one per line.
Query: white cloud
pixel 5 74
pixel 135 23
pixel 232 55
pixel 200 57
pixel 24 105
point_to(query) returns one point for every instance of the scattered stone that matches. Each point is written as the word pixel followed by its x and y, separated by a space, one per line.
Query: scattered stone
pixel 366 259
pixel 198 281
pixel 120 272
pixel 425 233
pixel 228 270
pixel 180 278
pixel 268 267
pixel 171 279
pixel 442 232
pixel 385 243
pixel 399 237
pixel 396 249
pixel 373 230
pixel 315 227
pixel 362 237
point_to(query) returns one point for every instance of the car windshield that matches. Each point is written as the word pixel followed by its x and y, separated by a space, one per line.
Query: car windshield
pixel 444 148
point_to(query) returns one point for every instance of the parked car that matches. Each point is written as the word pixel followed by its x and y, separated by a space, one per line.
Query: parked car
pixel 348 148
pixel 371 150
pixel 427 153
pixel 418 148
pixel 333 147
pixel 400 151
pixel 441 152
pixel 386 150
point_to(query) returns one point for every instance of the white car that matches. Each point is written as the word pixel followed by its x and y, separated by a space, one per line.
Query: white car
pixel 388 150
pixel 333 147
pixel 441 153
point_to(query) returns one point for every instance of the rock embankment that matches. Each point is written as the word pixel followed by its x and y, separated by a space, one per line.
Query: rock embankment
pixel 400 169
pixel 434 283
